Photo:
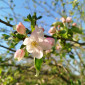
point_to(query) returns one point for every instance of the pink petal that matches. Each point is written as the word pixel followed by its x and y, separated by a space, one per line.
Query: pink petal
pixel 21 28
pixel 19 54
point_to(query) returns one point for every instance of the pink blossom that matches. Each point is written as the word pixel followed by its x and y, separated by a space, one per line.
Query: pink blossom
pixel 63 19
pixel 52 30
pixel 19 54
pixel 51 41
pixel 21 28
pixel 68 19
pixel 74 24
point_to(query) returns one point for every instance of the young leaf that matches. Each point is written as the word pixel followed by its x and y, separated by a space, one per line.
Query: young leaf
pixel 29 17
pixel 39 17
pixel 58 23
pixel 76 30
pixel 38 63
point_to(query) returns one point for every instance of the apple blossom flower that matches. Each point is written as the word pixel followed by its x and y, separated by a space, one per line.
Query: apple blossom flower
pixel 63 19
pixel 21 28
pixel 74 24
pixel 36 43
pixel 52 30
pixel 19 54
pixel 68 19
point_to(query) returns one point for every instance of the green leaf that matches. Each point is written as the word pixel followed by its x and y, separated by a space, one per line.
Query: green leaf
pixel 71 56
pixel 58 23
pixel 63 33
pixel 11 19
pixel 39 17
pixel 29 17
pixel 19 36
pixel 32 28
pixel 38 63
pixel 22 46
pixel 26 53
pixel 27 31
pixel 0 70
pixel 79 82
pixel 70 33
pixel 5 36
pixel 27 20
pixel 76 30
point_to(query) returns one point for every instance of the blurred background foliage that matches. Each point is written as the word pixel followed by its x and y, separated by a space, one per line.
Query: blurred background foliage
pixel 62 67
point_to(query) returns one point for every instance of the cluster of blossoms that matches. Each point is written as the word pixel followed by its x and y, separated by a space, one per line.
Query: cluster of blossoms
pixel 68 20
pixel 64 20
pixel 53 29
pixel 35 44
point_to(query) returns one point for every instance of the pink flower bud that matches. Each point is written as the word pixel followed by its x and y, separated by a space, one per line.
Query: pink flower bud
pixel 21 28
pixel 19 54
pixel 74 24
pixel 52 30
pixel 51 41
pixel 58 26
pixel 68 19
pixel 63 19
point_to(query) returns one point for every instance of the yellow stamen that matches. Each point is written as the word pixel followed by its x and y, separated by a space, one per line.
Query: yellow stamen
pixel 34 43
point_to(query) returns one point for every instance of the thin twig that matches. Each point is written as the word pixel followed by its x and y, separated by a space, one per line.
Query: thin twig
pixel 8 48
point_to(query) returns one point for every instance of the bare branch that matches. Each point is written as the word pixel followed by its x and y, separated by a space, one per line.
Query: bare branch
pixel 8 24
pixel 8 48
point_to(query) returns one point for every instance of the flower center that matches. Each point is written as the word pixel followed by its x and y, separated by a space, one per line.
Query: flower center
pixel 34 43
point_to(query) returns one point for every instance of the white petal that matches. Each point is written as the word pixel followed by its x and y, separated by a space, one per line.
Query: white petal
pixel 29 48
pixel 26 41
pixel 38 53
pixel 38 34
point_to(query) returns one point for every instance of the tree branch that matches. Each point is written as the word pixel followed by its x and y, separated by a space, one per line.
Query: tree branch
pixel 8 24
pixel 7 48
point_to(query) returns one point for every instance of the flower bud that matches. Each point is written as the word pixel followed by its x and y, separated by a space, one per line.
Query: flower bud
pixel 63 19
pixel 74 24
pixel 58 26
pixel 19 54
pixel 21 29
pixel 68 19
pixel 52 30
